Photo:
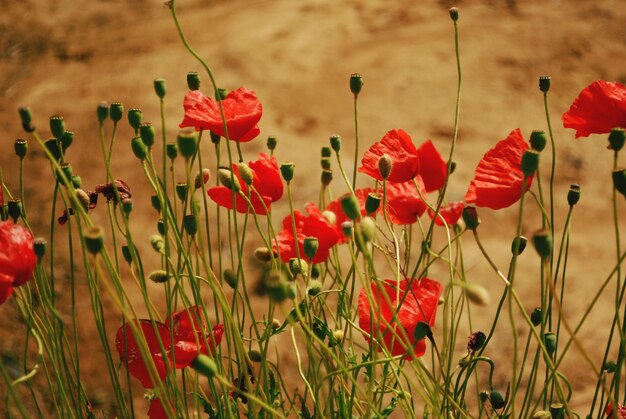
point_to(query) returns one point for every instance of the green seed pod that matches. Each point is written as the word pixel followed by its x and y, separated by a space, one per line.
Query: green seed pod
pixel 610 367
pixel 245 173
pixel 311 245
pixel 66 140
pixel 325 162
pixel 221 94
pixel 102 111
pixel 39 246
pixel 421 330
pixel 348 228
pixel 557 410
pixel 215 139
pixel 160 88
pixel 161 227
pixel 272 142
pixel 116 111
pixel 57 126
pixel 314 288
pixel 171 150
pixel 21 148
pixel 227 179
pixel 316 271
pixel 255 355
pixel 530 162
pixel 204 365
pixel 326 152
pixel 543 243
pixel 77 182
pixel 193 80
pixel 14 207
pixel 470 217
pixel 617 138
pixel 67 170
pixel 327 177
pixel 619 180
pixel 356 83
pixel 53 147
pixel 544 83
pixel 385 164
pixel 26 118
pixel 286 170
pixel 496 400
pixel 350 206
pixel 277 288
pixel 155 202
pixel 128 257
pixel 157 242
pixel 135 117
pixel 139 148
pixel 372 202
pixel 147 133
pixel 367 229
pixel 181 191
pixel 187 141
pixel 536 316
pixel 518 245
pixel 230 277
pixel 94 239
pixel 159 276
pixel 549 339
pixel 335 142
pixel 538 140
pixel 190 223
pixel 573 195
pixel 127 206
pixel 454 13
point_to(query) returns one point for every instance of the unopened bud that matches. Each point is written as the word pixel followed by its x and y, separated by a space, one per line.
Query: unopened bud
pixel 187 141
pixel 338 334
pixel 314 288
pixel 298 266
pixel 116 111
pixel 255 355
pixel 77 182
pixel 263 254
pixel 286 170
pixel 171 150
pixel 385 164
pixel 147 133
pixel 128 257
pixel 159 277
pixel 83 198
pixel 476 342
pixel 496 400
pixel 202 178
pixel 549 339
pixel 127 206
pixel 538 140
pixel 204 365
pixel 94 239
pixel 157 242
pixel 155 202
pixel 230 277
pixel 135 117
pixel 190 223
pixel 245 173
pixel 477 294
pixel 350 206
pixel 227 179
pixel 160 88
pixel 573 195
pixel 367 229
pixel 356 83
pixel 330 216
pixel 348 228
pixel 470 217
pixel 536 316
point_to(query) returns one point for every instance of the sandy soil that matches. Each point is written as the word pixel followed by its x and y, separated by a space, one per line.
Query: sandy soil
pixel 64 57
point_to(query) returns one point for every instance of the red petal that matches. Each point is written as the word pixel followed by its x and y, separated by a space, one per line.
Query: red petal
pixel 250 135
pixel 599 107
pixel 17 257
pixel 6 287
pixel 223 197
pixel 157 411
pixel 398 145
pixel 451 213
pixel 404 205
pixel 433 168
pixel 498 178
pixel 335 208
pixel 267 180
pixel 189 330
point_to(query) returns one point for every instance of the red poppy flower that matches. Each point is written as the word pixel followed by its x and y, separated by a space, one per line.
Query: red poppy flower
pixel 242 111
pixel 266 181
pixel 157 411
pixel 404 205
pixel 188 342
pixel 432 167
pixel 398 145
pixel 598 109
pixel 335 208
pixel 312 225
pixel 621 411
pixel 419 305
pixel 17 257
pixel 451 213
pixel 498 178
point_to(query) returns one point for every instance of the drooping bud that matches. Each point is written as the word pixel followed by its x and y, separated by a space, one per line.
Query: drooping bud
pixel 155 202
pixel 372 202
pixel 619 180
pixel 335 142
pixel 538 140
pixel 543 243
pixel 159 276
pixel 57 126
pixel 518 245
pixel 454 13
pixel 147 133
pixel 102 111
pixel 311 245
pixel 204 365
pixel 139 148
pixel 202 178
pixel 227 179
pixel 245 173
pixel 190 223
pixel 350 206
pixel 385 164
pixel 255 355
pixel 21 148
pixel 83 198
pixel 272 141
pixel 193 80
pixel 549 339
pixel 187 141
pixel 263 254
pixel 135 117
pixel 116 111
pixel 356 83
pixel 367 229
pixel 530 162
pixel 298 266
pixel 160 88
pixel 470 217
pixel 496 400
pixel 277 287
pixel 573 195
pixel 94 239
pixel 544 83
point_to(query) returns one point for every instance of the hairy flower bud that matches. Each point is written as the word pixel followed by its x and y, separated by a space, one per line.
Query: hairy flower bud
pixel 227 179
pixel 159 276
pixel 385 164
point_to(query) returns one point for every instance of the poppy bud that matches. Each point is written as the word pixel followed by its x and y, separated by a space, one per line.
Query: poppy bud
pixel 452 167
pixel 530 162
pixel 367 229
pixel 187 141
pixel 286 169
pixel 385 164
pixel 127 206
pixel 263 254
pixel 181 191
pixel 135 117
pixel 311 245
pixel 549 339
pixel 196 207
pixel 77 182
pixel 57 126
pixel 146 132
pixel 160 87
pixel 476 341
pixel 315 271
pixel 155 202
pixel 314 288
pixel 66 140
pixel 454 13
pixel 227 179
pixel 53 147
pixel 557 410
pixel 21 148
pixel 102 111
pixel 372 202
pixel 230 277
pixel 470 217
pixel 128 257
pixel 161 226
pixel 245 173
pixel 335 142
pixel 338 335
pixel 39 246
pixel 139 148
pixel 477 294
pixel 83 198
pixel 171 150
pixel 215 138
pixel 193 80
pixel 327 177
pixel 94 239
pixel 190 224
pixel 27 118
pixel 543 243
pixel 276 287
pixel 157 242
pixel 14 207
pixel 255 355
pixel 159 277
pixel 356 83
pixel 204 365
pixel 538 140
pixel 350 206
pixel 421 330
pixel 610 367
pixel 536 316
pixel 617 138
pixel 496 400
pixel 542 414
pixel 325 162
pixel 271 142
pixel 298 266
pixel 544 83
pixel 483 396
pixel 220 94
pixel 573 195
pixel 348 228
pixel 116 111
pixel 202 178
pixel 518 245
pixel 330 216
pixel 619 180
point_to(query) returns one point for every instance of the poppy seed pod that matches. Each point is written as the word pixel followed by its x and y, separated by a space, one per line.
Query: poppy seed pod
pixel 327 177
pixel 187 141
pixel 518 245
pixel 316 271
pixel 215 138
pixel 326 152
pixel 102 111
pixel 617 138
pixel 190 224
pixel 66 140
pixel 356 83
pixel 147 133
pixel 181 191
pixel 544 83
pixel 221 93
pixel 372 202
pixel 39 247
pixel 159 276
pixel 286 170
pixel 21 148
pixel 619 180
pixel 155 202
pixel 127 206
pixel 161 227
pixel 128 257
pixel 335 142
pixel 350 206
pixel 454 13
pixel 77 182
pixel 573 195
pixel 116 111
pixel 245 173
pixel 228 180
pixel 160 88
pixel 204 365
pixel 193 80
pixel 26 118
pixel 230 277
pixel 94 239
pixel 311 244
pixel 171 150
pixel 421 330
pixel 348 228
pixel 52 146
pixel 271 142
pixel 135 117
pixel 14 208
pixel 543 243
pixel 202 178
pixel 557 410
pixel 536 316
pixel 496 400
pixel 385 164
pixel 277 288
pixel 549 339
pixel 538 140
pixel 325 162
pixel 139 148
pixel 57 126
pixel 530 162
pixel 470 217
pixel 255 355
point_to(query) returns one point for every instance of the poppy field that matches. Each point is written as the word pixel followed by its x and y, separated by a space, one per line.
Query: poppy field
pixel 240 286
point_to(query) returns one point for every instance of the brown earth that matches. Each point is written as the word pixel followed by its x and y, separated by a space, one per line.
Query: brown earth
pixel 64 57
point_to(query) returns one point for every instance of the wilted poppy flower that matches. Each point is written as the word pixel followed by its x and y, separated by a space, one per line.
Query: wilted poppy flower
pixel 419 305
pixel 432 167
pixel 404 204
pixel 312 225
pixel 17 257
pixel 498 178
pixel 398 145
pixel 451 213
pixel 242 111
pixel 188 343
pixel 335 208
pixel 266 181
pixel 108 191
pixel 157 411
pixel 598 109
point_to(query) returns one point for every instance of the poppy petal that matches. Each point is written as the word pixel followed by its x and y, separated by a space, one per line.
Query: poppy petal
pixel 17 257
pixel 6 287
pixel 157 411
pixel 433 168
pixel 267 180
pixel 398 145
pixel 450 213
pixel 404 204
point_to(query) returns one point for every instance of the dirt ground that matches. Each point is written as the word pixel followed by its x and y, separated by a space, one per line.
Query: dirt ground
pixel 64 57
